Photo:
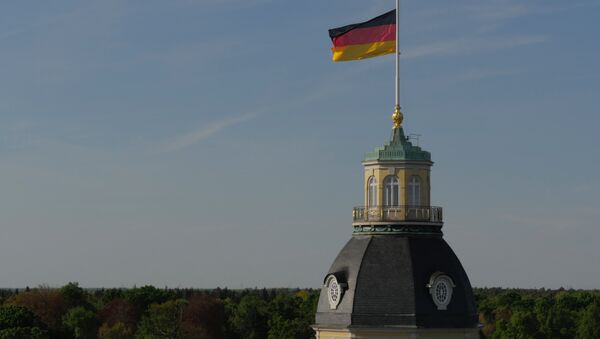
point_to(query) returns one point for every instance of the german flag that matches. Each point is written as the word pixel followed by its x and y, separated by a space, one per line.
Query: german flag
pixel 365 40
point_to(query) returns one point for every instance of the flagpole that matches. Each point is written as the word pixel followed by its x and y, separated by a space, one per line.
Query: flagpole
pixel 397 117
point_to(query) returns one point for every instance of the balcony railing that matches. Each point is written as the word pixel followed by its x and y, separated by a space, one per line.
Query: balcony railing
pixel 397 213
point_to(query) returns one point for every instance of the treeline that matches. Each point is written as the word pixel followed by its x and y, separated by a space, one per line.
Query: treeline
pixel 149 312
pixel 543 314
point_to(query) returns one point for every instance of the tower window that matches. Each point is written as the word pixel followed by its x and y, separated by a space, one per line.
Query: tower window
pixel 414 191
pixel 441 287
pixel 391 188
pixel 372 192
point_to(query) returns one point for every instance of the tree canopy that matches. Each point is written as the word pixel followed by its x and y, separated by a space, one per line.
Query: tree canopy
pixel 147 312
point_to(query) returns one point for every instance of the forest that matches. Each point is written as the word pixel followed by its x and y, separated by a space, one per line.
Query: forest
pixel 150 312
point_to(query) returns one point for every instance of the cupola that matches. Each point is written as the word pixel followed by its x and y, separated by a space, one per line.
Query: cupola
pixel 397 191
pixel 396 277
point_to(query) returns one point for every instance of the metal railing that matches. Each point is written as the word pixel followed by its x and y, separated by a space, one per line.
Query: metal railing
pixel 397 213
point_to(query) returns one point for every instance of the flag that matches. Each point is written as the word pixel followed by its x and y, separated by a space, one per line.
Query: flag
pixel 365 40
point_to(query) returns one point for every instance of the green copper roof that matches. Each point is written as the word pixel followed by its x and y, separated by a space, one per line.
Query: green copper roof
pixel 398 148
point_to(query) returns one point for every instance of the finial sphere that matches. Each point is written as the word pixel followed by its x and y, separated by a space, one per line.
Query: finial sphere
pixel 397 117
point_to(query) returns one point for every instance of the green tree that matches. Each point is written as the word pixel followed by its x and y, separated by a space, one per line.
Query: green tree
pixel 230 310
pixel 163 321
pixel 281 328
pixel 73 295
pixel 18 322
pixel 142 297
pixel 23 333
pixel 192 331
pixel 522 325
pixel 116 331
pixel 250 318
pixel 15 316
pixel 589 324
pixel 291 316
pixel 110 294
pixel 81 322
pixel 559 323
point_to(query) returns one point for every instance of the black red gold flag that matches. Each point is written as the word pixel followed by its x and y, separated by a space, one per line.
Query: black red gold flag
pixel 365 40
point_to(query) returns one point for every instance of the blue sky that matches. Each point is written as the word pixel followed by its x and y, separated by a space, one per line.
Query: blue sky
pixel 213 143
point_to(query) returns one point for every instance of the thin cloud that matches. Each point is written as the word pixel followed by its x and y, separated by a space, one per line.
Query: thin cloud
pixel 479 74
pixel 566 6
pixel 231 4
pixel 494 11
pixel 475 45
pixel 203 133
pixel 504 10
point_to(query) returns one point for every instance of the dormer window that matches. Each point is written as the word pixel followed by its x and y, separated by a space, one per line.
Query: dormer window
pixel 391 189
pixel 414 191
pixel 372 192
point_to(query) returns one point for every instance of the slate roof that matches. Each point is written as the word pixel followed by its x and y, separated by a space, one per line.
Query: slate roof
pixel 387 278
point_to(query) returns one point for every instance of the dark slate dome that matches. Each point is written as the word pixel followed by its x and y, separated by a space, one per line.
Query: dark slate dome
pixel 385 280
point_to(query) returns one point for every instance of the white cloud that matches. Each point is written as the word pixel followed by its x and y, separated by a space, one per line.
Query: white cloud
pixel 478 74
pixel 498 10
pixel 203 133
pixel 471 45
pixel 231 4
pixel 502 10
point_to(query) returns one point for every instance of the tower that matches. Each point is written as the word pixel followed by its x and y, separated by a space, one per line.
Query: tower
pixel 396 277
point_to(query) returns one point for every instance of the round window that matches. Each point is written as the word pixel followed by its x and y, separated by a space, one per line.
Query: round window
pixel 441 287
pixel 334 291
pixel 441 291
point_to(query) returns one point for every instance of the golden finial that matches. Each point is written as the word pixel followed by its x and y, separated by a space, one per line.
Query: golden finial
pixel 397 117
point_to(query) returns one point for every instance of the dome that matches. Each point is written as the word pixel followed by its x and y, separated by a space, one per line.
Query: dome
pixel 399 148
pixel 396 281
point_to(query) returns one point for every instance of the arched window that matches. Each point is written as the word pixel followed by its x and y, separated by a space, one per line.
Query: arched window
pixel 414 191
pixel 372 192
pixel 390 191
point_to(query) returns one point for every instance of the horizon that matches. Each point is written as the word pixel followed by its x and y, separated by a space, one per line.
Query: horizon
pixel 257 288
